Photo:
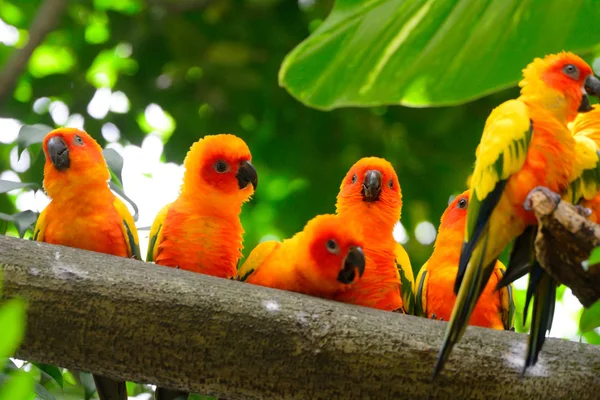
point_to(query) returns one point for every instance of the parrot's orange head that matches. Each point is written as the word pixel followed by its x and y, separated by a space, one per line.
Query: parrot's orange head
pixel 335 249
pixel 72 158
pixel 220 165
pixel 455 216
pixel 372 186
pixel 560 82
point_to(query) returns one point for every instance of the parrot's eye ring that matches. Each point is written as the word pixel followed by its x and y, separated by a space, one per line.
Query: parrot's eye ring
pixel 354 178
pixel 77 140
pixel 462 203
pixel 571 71
pixel 332 246
pixel 391 183
pixel 221 166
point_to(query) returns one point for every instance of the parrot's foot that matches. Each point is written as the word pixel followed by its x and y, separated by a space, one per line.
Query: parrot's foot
pixel 433 316
pixel 583 211
pixel 177 267
pixel 399 310
pixel 133 257
pixel 549 193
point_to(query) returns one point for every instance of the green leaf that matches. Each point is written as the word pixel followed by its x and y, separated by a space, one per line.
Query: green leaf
pixel 590 318
pixel 42 392
pixel 51 59
pixel 24 220
pixel 12 326
pixel 119 190
pixel 115 164
pixel 430 53
pixel 52 372
pixel 18 386
pixel 7 186
pixel 31 134
pixel 594 256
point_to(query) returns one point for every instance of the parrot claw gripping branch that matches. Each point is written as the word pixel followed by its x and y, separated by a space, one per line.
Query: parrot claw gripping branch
pixel 528 147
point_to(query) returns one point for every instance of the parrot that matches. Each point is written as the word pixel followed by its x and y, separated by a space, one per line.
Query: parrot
pixel 201 230
pixel 83 212
pixel 325 258
pixel 434 286
pixel 525 144
pixel 370 200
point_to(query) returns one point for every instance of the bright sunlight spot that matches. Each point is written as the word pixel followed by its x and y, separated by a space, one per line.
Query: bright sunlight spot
pixel 399 233
pixel 19 164
pixel 59 112
pixel 110 132
pixel 100 103
pixel 9 35
pixel 9 130
pixel 119 103
pixel 425 232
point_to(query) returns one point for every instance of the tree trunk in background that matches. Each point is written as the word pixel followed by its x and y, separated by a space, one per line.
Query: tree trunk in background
pixel 129 320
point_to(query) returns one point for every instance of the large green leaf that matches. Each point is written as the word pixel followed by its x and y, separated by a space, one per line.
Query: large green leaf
pixel 430 53
pixel 590 318
pixel 17 386
pixel 7 186
pixel 12 326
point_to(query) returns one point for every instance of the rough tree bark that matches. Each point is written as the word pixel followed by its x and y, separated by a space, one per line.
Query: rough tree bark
pixel 565 239
pixel 131 320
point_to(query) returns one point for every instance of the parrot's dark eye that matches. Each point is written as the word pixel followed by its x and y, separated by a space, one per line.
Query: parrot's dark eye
pixel 332 246
pixel 571 71
pixel 77 140
pixel 391 184
pixel 354 178
pixel 462 203
pixel 221 166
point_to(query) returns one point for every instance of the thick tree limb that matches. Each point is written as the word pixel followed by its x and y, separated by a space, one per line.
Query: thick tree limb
pixel 46 19
pixel 565 239
pixel 129 320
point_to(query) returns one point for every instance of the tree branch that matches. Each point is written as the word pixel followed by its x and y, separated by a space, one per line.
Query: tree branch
pixel 46 19
pixel 131 320
pixel 564 240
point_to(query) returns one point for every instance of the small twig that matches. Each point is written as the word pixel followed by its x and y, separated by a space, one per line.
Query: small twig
pixel 46 19
pixel 565 239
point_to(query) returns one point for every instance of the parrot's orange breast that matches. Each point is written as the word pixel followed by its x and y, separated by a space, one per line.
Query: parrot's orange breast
pixel 94 226
pixel 441 298
pixel 379 287
pixel 204 244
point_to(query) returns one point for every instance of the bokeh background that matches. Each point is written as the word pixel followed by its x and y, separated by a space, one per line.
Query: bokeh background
pixel 149 78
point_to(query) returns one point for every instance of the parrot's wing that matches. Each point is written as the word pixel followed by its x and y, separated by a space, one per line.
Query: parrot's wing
pixel 256 258
pixel 502 152
pixel 407 279
pixel 421 292
pixel 585 180
pixel 156 233
pixel 507 300
pixel 129 230
pixel 40 227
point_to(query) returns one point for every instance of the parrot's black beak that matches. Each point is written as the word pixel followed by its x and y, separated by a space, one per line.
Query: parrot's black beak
pixel 355 259
pixel 246 174
pixel 592 88
pixel 59 153
pixel 371 187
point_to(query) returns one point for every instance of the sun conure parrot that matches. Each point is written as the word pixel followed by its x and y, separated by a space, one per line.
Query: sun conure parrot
pixel 201 230
pixel 325 258
pixel 370 201
pixel 434 287
pixel 525 143
pixel 83 212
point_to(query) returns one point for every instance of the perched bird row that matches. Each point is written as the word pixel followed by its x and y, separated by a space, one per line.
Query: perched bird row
pixel 351 256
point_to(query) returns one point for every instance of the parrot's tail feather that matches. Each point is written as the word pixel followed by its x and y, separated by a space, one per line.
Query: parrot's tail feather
pixel 541 321
pixel 109 389
pixel 535 276
pixel 484 213
pixel 474 283
pixel 521 257
pixel 170 394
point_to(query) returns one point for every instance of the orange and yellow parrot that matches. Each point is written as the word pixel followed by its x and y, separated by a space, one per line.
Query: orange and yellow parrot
pixel 325 258
pixel 83 212
pixel 434 291
pixel 525 143
pixel 201 230
pixel 370 200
